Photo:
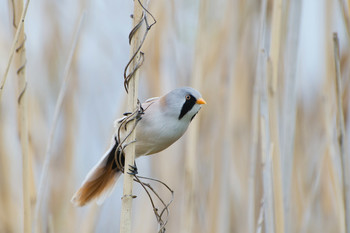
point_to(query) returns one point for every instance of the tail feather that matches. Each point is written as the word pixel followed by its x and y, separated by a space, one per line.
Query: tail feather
pixel 101 180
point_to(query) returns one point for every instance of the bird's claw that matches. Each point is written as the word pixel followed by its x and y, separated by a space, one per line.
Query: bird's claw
pixel 133 170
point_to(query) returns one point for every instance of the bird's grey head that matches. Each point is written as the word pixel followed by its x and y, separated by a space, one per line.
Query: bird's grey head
pixel 184 103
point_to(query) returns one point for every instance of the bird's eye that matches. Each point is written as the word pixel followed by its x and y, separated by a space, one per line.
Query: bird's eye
pixel 188 97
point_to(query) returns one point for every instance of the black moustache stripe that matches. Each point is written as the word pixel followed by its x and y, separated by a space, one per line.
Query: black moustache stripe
pixel 188 105
pixel 194 116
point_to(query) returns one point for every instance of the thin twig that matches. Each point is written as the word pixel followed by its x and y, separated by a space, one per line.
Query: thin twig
pixel 48 155
pixel 162 222
pixel 136 28
pixel 341 133
pixel 13 47
pixel 130 117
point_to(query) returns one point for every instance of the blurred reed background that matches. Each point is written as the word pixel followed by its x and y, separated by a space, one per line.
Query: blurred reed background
pixel 267 74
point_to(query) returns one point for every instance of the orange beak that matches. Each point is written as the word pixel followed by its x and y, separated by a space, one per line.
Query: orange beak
pixel 201 101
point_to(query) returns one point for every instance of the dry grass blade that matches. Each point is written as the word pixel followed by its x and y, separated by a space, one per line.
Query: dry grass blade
pixel 341 134
pixel 13 47
pixel 267 179
pixel 261 217
pixel 289 101
pixel 345 14
pixel 255 120
pixel 48 155
pixel 273 115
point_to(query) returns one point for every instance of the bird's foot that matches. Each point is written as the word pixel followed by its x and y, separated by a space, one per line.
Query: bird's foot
pixel 133 170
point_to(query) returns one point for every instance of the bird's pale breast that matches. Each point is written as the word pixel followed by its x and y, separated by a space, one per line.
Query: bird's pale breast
pixel 156 133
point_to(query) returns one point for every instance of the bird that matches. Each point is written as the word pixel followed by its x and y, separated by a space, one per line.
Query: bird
pixel 164 120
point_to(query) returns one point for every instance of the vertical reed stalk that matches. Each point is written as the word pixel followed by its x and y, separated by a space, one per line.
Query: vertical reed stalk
pixel 48 155
pixel 191 169
pixel 289 102
pixel 273 115
pixel 265 140
pixel 126 215
pixel 23 117
pixel 191 157
pixel 267 178
pixel 341 134
pixel 345 13
pixel 191 178
pixel 255 120
pixel 19 33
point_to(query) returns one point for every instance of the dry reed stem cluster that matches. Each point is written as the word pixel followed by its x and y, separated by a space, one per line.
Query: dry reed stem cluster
pixel 248 148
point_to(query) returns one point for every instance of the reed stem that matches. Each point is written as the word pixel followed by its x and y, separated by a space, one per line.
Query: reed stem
pixel 126 215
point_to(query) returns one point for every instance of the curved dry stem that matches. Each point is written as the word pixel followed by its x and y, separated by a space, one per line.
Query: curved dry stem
pixel 128 76
pixel 161 222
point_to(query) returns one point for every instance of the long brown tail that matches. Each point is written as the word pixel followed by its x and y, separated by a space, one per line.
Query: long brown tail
pixel 100 181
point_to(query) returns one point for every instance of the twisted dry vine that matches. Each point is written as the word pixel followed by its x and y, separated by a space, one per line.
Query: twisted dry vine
pixel 128 76
pixel 162 216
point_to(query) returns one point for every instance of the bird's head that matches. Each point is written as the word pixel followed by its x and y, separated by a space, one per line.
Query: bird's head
pixel 184 103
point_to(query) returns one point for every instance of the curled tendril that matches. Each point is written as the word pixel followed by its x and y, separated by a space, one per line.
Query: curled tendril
pixel 136 115
pixel 162 216
pixel 162 221
pixel 137 54
pixel 137 59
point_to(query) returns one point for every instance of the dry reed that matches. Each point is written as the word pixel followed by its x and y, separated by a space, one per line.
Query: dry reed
pixel 273 114
pixel 18 35
pixel 341 134
pixel 133 89
pixel 22 100
pixel 255 125
pixel 226 183
pixel 42 189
